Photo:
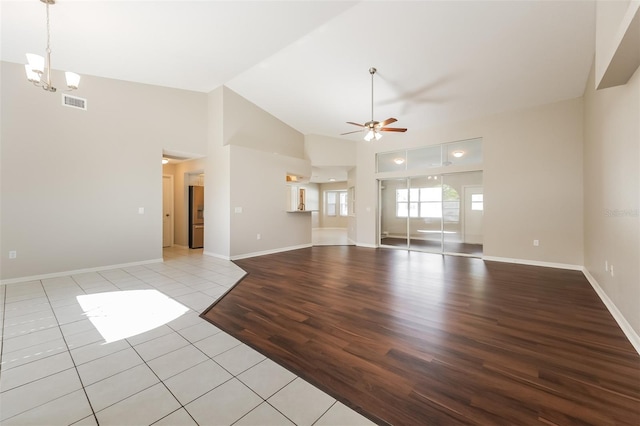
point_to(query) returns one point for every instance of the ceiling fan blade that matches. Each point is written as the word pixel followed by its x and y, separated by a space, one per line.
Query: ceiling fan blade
pixel 387 121
pixel 392 129
pixel 348 133
pixel 355 124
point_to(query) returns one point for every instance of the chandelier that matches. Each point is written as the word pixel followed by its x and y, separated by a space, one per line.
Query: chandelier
pixel 39 67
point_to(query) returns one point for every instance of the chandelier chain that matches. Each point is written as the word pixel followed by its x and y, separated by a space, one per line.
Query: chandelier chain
pixel 48 31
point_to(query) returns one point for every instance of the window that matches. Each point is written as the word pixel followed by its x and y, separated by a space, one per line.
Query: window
pixel 337 203
pixel 477 202
pixel 428 203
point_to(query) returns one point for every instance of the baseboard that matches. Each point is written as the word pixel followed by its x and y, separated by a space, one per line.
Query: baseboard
pixel 628 331
pixel 216 255
pixel 374 246
pixel 278 250
pixel 77 271
pixel 330 227
pixel 534 263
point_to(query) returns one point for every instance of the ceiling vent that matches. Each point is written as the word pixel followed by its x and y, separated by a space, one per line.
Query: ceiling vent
pixel 74 102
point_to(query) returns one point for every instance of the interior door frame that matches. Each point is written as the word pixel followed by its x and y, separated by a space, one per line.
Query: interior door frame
pixel 171 210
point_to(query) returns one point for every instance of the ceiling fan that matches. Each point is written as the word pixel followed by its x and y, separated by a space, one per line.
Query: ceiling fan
pixel 373 127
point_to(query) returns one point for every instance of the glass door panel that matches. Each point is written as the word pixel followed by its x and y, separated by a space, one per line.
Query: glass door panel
pixel 425 214
pixel 394 210
pixel 462 209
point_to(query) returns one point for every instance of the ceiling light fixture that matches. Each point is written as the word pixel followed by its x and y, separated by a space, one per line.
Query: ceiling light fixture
pixel 165 160
pixel 371 134
pixel 458 153
pixel 398 160
pixel 39 66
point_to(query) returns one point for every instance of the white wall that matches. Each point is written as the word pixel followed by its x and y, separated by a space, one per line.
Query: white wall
pixel 72 181
pixel 217 178
pixel 612 192
pixel 532 180
pixel 260 151
pixel 259 188
pixel 324 151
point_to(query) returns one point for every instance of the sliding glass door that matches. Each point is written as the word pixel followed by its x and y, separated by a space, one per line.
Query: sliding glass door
pixel 462 212
pixel 425 213
pixel 434 213
pixel 394 208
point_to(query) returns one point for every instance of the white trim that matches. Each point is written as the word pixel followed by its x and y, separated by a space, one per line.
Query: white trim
pixel 278 250
pixel 628 331
pixel 330 227
pixel 534 263
pixel 78 271
pixel 216 255
pixel 374 246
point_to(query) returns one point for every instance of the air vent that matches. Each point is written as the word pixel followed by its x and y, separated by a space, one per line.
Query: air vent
pixel 74 102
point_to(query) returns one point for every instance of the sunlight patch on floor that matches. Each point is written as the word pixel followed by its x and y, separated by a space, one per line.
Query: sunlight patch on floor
pixel 121 314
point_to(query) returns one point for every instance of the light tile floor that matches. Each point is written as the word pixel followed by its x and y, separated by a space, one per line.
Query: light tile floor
pixel 60 366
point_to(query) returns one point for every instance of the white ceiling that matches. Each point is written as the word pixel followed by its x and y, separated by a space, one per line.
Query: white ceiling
pixel 307 62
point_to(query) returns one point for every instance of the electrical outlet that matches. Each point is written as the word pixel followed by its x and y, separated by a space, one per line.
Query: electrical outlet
pixel 258 237
pixel 536 243
pixel 13 254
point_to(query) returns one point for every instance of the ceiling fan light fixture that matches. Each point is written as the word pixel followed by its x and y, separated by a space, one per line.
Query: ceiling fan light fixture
pixel 372 134
pixel 374 128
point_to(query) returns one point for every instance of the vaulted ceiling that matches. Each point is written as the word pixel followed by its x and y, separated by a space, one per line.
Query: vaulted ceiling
pixel 307 62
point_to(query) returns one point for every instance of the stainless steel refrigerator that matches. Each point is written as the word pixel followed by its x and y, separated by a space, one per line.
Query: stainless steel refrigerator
pixel 196 216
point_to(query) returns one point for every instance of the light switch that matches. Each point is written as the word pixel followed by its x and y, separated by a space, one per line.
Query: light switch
pixel 238 210
pixel 140 210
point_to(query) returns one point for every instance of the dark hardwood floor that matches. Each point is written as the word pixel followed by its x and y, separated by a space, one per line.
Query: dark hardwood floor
pixel 410 338
pixel 435 246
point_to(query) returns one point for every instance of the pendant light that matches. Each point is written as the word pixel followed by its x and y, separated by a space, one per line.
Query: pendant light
pixel 38 68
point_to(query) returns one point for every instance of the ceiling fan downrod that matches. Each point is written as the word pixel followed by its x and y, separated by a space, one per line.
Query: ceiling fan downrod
pixel 372 71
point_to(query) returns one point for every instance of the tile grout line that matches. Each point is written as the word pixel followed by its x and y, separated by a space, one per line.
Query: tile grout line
pixel 185 272
pixel 64 338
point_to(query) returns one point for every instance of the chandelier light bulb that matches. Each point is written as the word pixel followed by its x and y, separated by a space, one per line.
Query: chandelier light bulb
pixel 73 79
pixel 32 76
pixel 36 63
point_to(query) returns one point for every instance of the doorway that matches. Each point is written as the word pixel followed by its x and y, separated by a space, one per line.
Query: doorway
pixel 434 213
pixel 167 211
